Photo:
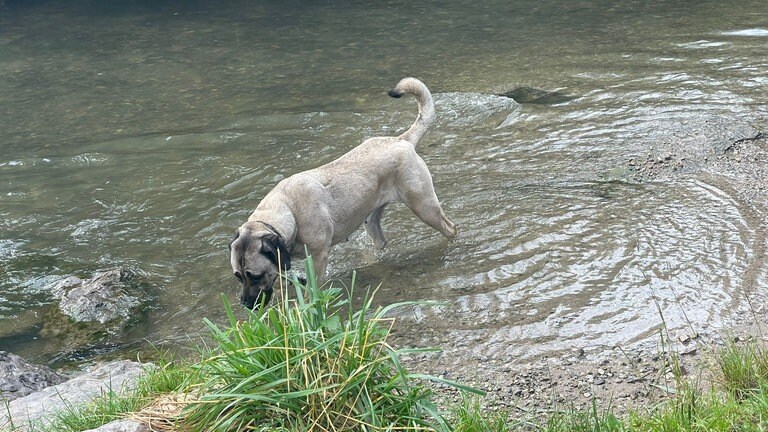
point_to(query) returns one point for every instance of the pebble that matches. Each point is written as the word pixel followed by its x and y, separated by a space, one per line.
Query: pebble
pixel 689 350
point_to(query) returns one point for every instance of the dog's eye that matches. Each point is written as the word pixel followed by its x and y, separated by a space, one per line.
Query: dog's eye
pixel 239 276
pixel 252 277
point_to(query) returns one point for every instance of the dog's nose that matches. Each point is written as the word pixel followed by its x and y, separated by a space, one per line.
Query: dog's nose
pixel 247 302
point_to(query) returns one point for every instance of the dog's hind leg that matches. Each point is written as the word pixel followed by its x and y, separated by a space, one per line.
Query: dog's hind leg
pixel 430 212
pixel 373 228
pixel 418 193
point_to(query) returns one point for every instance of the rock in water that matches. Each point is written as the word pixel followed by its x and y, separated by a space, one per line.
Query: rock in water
pixel 533 95
pixel 60 287
pixel 92 312
pixel 100 299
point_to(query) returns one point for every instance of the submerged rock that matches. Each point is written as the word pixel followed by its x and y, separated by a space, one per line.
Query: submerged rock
pixel 19 378
pixel 532 95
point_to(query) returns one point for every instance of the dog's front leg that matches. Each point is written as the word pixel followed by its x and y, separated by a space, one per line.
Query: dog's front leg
pixel 319 249
pixel 320 262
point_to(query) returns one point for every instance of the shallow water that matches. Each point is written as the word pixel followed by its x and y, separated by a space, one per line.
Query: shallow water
pixel 142 135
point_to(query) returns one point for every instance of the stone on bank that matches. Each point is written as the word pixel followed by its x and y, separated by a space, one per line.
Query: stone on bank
pixel 19 377
pixel 39 407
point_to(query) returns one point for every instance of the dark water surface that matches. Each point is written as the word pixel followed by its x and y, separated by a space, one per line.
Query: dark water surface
pixel 142 134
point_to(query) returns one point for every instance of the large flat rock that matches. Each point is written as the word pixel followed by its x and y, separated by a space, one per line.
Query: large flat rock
pixel 38 407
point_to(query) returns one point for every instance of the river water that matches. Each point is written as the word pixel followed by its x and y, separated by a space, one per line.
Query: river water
pixel 142 134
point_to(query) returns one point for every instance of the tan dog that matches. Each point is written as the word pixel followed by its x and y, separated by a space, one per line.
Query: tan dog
pixel 321 207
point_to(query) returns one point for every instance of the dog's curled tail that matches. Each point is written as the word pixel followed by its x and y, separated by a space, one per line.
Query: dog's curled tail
pixel 426 107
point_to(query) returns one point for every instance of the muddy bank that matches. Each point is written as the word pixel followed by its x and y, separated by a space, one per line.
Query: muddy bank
pixel 623 378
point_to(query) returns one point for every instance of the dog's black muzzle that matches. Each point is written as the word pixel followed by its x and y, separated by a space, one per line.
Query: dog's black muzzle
pixel 261 299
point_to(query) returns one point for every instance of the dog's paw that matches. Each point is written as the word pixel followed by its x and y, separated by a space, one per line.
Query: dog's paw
pixel 454 232
pixel 450 230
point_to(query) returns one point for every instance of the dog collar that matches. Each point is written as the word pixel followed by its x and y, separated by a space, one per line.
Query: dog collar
pixel 273 229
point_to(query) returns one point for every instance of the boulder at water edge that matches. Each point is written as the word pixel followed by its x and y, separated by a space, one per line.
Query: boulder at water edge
pixel 100 299
pixel 91 310
pixel 19 378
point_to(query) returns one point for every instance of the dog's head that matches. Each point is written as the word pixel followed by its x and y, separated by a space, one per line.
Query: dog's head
pixel 258 254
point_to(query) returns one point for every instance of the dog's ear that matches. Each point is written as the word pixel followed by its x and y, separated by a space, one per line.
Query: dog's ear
pixel 229 246
pixel 274 249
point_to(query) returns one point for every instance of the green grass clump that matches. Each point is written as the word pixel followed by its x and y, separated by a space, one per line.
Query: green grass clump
pixel 469 416
pixel 711 411
pixel 584 421
pixel 298 366
pixel 744 369
pixel 738 403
